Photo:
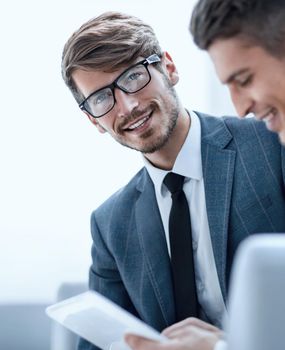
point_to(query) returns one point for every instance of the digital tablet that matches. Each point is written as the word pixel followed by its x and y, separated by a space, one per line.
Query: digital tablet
pixel 100 321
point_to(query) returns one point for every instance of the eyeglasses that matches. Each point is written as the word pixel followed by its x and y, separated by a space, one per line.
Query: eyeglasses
pixel 132 80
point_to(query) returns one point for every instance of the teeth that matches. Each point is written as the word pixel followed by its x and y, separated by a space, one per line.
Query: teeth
pixel 268 117
pixel 138 123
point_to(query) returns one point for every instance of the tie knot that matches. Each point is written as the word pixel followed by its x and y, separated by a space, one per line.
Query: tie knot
pixel 174 182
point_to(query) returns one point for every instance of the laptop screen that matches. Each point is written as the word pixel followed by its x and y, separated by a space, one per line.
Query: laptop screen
pixel 257 295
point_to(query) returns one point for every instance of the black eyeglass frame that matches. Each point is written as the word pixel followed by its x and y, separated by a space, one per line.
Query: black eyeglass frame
pixel 154 58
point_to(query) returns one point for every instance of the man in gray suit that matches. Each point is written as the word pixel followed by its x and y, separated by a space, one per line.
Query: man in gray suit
pixel 234 183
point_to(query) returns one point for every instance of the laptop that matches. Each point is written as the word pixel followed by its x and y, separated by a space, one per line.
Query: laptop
pixel 257 295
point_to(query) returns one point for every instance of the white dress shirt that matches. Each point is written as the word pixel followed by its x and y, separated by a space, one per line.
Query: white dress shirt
pixel 189 164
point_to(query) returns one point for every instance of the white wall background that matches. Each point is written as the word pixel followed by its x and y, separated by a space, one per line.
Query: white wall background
pixel 55 167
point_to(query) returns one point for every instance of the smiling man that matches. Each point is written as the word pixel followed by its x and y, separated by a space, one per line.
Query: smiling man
pixel 246 42
pixel 161 265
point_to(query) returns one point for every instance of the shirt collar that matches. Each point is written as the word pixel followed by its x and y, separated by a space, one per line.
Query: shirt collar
pixel 188 162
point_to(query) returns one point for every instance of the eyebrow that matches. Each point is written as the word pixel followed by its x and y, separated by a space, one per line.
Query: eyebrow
pixel 233 76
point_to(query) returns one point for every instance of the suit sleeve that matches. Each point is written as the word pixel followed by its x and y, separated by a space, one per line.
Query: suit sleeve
pixel 104 276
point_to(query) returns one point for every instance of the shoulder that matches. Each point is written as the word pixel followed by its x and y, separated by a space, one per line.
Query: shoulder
pixel 122 201
pixel 237 131
pixel 248 126
pixel 233 123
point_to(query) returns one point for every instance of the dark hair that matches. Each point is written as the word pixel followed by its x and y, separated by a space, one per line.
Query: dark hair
pixel 108 42
pixel 259 22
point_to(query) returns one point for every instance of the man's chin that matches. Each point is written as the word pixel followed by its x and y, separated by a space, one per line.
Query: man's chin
pixel 147 147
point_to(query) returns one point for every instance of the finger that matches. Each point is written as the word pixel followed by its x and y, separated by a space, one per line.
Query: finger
pixel 186 325
pixel 137 342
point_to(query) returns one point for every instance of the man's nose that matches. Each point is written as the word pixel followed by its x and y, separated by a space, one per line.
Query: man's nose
pixel 242 101
pixel 125 103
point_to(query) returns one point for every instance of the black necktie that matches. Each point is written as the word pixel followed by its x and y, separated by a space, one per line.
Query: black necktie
pixel 180 238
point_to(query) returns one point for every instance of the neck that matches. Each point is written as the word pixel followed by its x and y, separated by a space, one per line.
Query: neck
pixel 165 157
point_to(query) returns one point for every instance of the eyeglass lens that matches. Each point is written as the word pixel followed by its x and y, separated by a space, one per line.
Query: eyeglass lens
pixel 133 80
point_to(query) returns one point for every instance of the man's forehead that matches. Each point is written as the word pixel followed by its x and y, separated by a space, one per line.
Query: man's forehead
pixel 230 56
pixel 117 67
pixel 88 80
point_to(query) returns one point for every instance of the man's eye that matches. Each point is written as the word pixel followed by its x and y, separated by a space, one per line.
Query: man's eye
pixel 134 76
pixel 243 82
pixel 101 97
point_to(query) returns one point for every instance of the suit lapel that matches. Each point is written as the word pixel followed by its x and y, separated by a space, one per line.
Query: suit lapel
pixel 154 248
pixel 218 172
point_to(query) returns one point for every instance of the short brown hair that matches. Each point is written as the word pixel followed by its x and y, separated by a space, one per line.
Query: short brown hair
pixel 260 22
pixel 109 41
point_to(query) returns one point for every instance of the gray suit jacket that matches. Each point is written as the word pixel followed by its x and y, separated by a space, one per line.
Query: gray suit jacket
pixel 244 175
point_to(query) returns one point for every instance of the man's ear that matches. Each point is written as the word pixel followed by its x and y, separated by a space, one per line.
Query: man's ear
pixel 170 68
pixel 94 121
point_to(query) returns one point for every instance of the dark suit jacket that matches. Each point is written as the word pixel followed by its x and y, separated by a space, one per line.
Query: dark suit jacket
pixel 244 175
